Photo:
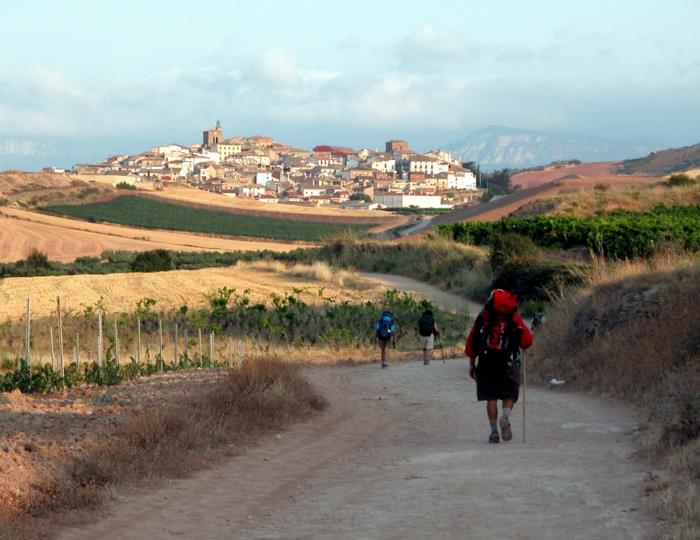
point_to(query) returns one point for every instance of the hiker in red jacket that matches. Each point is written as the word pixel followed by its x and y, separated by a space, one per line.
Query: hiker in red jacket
pixel 493 348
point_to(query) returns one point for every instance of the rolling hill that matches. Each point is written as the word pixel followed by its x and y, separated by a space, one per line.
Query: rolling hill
pixel 662 162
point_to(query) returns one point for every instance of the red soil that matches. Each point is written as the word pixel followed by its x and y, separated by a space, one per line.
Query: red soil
pixel 530 179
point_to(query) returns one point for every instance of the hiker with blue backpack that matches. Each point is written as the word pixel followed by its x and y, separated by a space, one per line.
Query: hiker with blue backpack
pixel 385 331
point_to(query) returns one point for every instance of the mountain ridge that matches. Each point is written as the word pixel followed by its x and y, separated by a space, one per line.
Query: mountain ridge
pixel 498 147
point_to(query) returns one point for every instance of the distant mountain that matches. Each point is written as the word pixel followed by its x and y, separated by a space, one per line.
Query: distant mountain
pixel 498 147
pixel 663 162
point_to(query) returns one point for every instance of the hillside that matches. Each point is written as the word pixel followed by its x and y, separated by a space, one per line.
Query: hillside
pixel 662 162
pixel 581 198
pixel 120 292
pixel 534 178
pixel 65 239
pixel 503 147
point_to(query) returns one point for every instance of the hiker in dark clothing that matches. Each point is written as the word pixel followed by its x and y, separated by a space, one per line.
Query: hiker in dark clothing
pixel 427 331
pixel 385 331
pixel 493 348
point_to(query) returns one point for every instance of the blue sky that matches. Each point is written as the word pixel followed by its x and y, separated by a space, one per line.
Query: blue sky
pixel 133 74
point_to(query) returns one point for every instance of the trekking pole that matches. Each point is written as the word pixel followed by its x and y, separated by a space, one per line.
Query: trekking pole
pixel 524 391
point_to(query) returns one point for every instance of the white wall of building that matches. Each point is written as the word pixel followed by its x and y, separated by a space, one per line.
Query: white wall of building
pixel 460 181
pixel 262 178
pixel 401 200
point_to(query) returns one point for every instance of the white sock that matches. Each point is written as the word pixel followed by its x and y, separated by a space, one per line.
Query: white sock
pixel 506 413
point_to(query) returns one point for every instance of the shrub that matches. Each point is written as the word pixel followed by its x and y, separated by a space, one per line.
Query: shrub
pixel 680 180
pixel 125 185
pixel 510 248
pixel 157 260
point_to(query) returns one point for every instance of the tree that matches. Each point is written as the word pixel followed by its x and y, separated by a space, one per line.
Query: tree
pixel 360 197
pixel 157 260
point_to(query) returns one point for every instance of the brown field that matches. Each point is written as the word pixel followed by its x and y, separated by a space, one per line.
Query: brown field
pixel 65 239
pixel 12 182
pixel 119 292
pixel 530 179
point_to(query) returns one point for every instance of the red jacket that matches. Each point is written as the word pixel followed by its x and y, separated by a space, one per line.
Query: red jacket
pixel 498 331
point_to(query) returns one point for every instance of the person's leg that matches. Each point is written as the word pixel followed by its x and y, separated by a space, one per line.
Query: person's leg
pixel 506 432
pixel 425 355
pixel 382 345
pixel 492 412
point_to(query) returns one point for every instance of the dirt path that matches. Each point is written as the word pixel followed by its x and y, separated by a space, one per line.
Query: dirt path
pixel 444 299
pixel 402 454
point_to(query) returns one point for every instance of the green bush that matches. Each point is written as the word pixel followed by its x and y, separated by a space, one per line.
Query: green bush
pixel 157 260
pixel 125 185
pixel 507 248
pixel 680 180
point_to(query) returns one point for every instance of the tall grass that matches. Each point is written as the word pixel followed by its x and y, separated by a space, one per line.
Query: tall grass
pixel 632 333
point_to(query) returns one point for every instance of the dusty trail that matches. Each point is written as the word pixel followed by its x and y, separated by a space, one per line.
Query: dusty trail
pixel 402 453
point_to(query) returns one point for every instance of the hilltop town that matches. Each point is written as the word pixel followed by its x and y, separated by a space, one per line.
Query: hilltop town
pixel 261 168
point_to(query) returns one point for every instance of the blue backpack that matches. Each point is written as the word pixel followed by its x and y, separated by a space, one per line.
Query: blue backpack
pixel 385 326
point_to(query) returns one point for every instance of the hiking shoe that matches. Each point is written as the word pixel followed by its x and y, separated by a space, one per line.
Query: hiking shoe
pixel 426 362
pixel 384 365
pixel 506 432
pixel 494 438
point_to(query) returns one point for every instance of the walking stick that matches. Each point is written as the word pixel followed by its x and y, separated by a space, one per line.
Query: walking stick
pixel 442 353
pixel 524 391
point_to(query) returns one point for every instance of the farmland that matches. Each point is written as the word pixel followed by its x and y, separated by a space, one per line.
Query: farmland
pixel 154 214
pixel 621 234
pixel 64 239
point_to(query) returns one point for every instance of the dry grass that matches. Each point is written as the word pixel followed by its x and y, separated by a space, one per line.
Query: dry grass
pixel 632 333
pixel 120 292
pixel 318 272
pixel 587 200
pixel 65 239
pixel 169 442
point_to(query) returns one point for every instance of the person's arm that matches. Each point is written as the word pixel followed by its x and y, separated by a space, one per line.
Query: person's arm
pixel 472 368
pixel 525 335
pixel 469 352
pixel 436 329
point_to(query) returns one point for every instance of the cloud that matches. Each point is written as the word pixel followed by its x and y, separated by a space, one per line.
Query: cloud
pixel 277 67
pixel 430 49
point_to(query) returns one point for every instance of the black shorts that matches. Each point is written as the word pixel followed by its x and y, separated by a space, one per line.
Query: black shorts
pixel 497 376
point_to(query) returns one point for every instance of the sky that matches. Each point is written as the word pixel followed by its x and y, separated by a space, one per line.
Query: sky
pixel 80 80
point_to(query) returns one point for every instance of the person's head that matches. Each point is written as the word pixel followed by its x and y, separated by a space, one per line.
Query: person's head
pixel 502 301
pixel 427 312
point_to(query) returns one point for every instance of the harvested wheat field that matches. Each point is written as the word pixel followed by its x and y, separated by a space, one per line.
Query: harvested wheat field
pixel 119 292
pixel 66 239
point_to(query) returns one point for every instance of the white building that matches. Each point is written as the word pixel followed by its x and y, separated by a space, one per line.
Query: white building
pixel 427 165
pixel 262 178
pixel 461 180
pixel 383 163
pixel 250 191
pixel 312 191
pixel 402 200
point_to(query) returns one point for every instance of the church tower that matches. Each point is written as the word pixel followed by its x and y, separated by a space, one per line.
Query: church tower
pixel 212 137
